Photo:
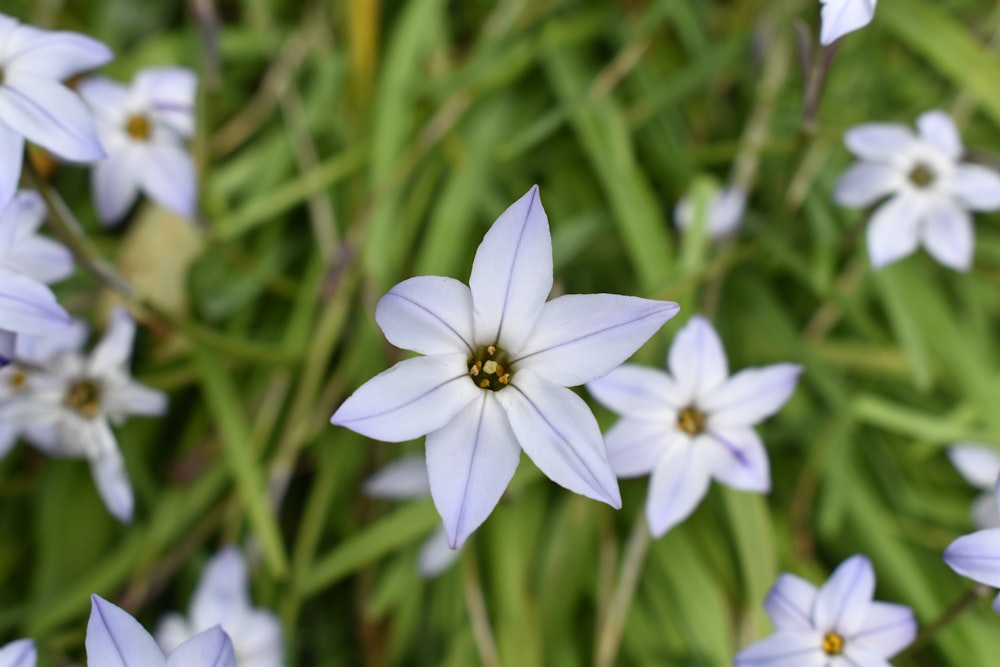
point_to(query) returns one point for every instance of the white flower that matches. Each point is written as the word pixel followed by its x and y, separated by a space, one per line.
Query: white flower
pixel 843 16
pixel 691 425
pixel 499 359
pixel 19 653
pixel 222 599
pixel 115 639
pixel 143 129
pixel 34 103
pixel 27 261
pixel 73 400
pixel 838 625
pixel 725 212
pixel 977 556
pixel 980 466
pixel 406 479
pixel 931 191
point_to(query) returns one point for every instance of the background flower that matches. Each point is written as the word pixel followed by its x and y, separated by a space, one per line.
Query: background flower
pixel 979 464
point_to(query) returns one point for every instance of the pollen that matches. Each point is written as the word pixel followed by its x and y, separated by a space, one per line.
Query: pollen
pixel 691 420
pixel 18 379
pixel 833 644
pixel 139 127
pixel 921 176
pixel 487 368
pixel 84 397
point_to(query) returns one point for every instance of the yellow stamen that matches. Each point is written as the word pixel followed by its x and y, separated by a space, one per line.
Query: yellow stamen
pixel 691 421
pixel 18 379
pixel 921 176
pixel 139 127
pixel 486 368
pixel 84 396
pixel 833 644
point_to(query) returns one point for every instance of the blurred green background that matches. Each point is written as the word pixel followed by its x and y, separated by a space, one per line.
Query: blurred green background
pixel 346 145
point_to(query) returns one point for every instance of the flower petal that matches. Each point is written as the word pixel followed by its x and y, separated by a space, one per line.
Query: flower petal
pixel 789 603
pixel 172 630
pixel 750 396
pixel 580 337
pixel 411 399
pixel 131 398
pixel 402 479
pixel 512 274
pixel 676 486
pixel 11 158
pixel 29 307
pixel 856 655
pixel 221 596
pixel 635 445
pixel 114 184
pixel 879 142
pixel 894 230
pixel 50 115
pixel 212 648
pixel 19 653
pixel 697 360
pixel 110 474
pixel 842 602
pixel 739 459
pixel 168 178
pixel 864 183
pixel 976 187
pixel 41 258
pixel 985 513
pixel 106 97
pixel 8 345
pixel 113 353
pixel 637 391
pixel 887 630
pixel 115 639
pixel 429 315
pixel 558 432
pixel 54 55
pixel 169 92
pixel 843 16
pixel 976 556
pixel 979 464
pixel 258 639
pixel 470 461
pixel 436 555
pixel 938 129
pixel 790 648
pixel 948 235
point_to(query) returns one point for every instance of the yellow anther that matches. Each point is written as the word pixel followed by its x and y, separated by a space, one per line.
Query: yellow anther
pixel 84 396
pixel 833 644
pixel 491 350
pixel 691 421
pixel 485 384
pixel 139 127
pixel 504 379
pixel 921 176
pixel 18 379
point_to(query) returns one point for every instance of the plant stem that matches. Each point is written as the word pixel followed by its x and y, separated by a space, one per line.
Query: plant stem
pixel 610 635
pixel 482 633
pixel 967 601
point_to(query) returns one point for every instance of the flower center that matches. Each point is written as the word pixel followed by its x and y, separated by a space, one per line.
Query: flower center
pixel 691 420
pixel 18 379
pixel 486 368
pixel 84 396
pixel 139 127
pixel 921 175
pixel 833 644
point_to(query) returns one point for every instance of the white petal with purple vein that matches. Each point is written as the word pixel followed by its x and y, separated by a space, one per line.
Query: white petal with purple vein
pixel 676 486
pixel 750 396
pixel 789 603
pixel 843 599
pixel 429 315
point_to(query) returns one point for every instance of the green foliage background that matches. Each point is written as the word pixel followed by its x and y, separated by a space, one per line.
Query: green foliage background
pixel 346 145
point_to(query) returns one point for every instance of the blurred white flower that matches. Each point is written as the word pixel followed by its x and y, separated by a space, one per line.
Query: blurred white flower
pixel 222 598
pixel 725 212
pixel 980 466
pixel 931 191
pixel 19 653
pixel 143 128
pixel 28 260
pixel 36 105
pixel 66 402
pixel 499 361
pixel 843 16
pixel 406 479
pixel 839 625
pixel 115 639
pixel 977 556
pixel 691 425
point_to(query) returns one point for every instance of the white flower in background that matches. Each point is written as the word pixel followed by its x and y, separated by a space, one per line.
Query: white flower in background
pixel 839 625
pixel 980 466
pixel 143 128
pixel 74 399
pixel 931 192
pixel 843 16
pixel 691 425
pixel 499 359
pixel 977 556
pixel 406 479
pixel 222 599
pixel 36 105
pixel 115 639
pixel 19 653
pixel 725 212
pixel 27 261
